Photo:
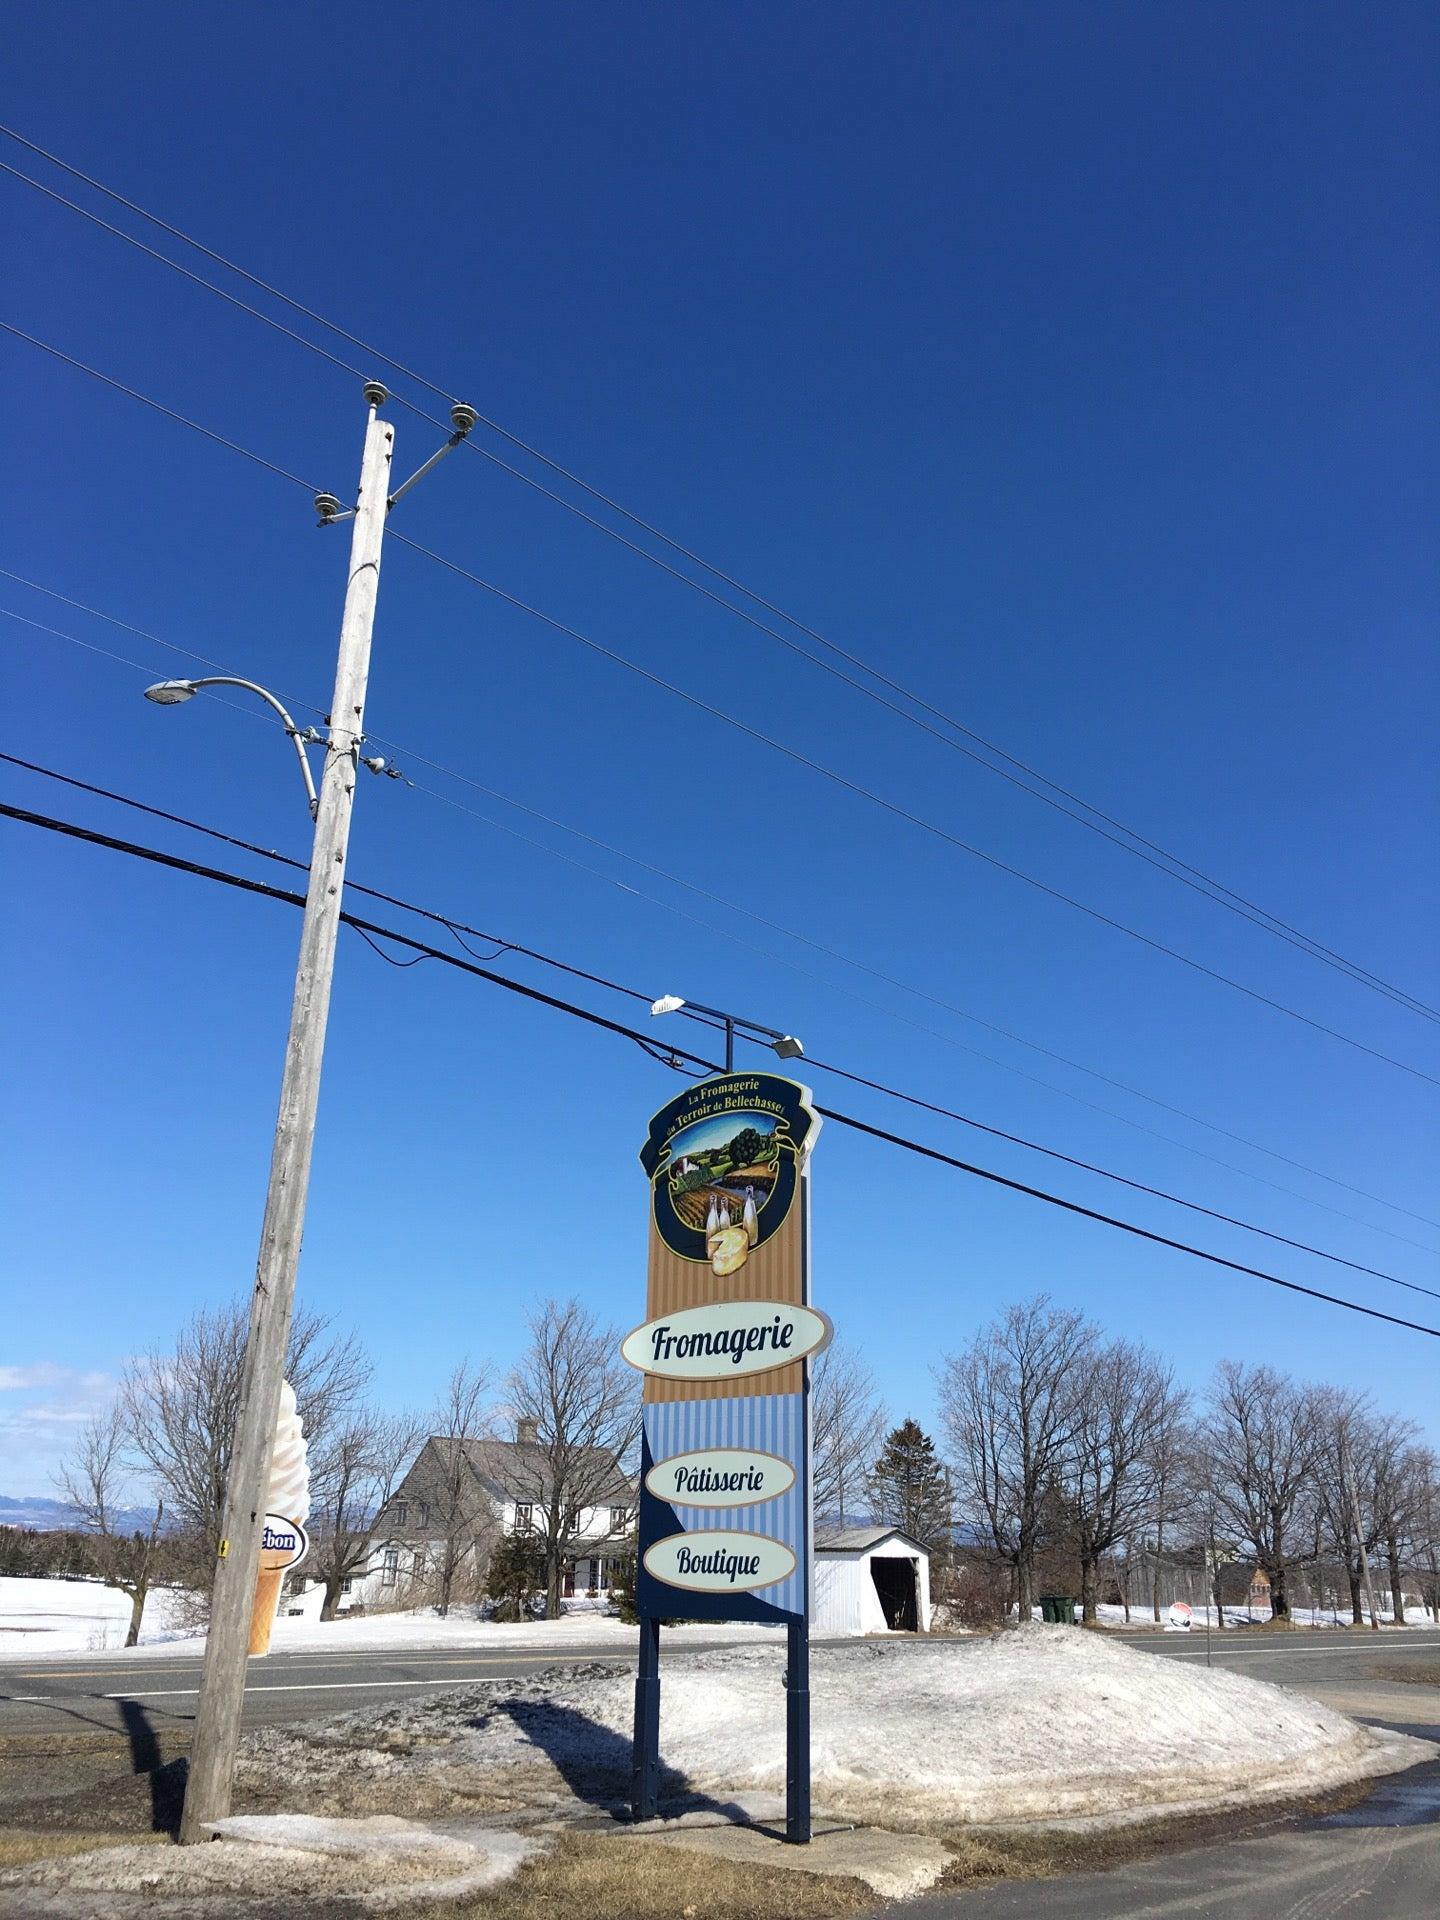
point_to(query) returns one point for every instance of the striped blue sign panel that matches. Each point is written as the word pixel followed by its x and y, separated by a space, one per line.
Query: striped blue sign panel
pixel 762 1423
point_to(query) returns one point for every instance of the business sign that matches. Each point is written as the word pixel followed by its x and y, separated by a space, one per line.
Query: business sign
pixel 283 1543
pixel 716 1343
pixel 720 1477
pixel 719 1562
pixel 1182 1616
pixel 725 1474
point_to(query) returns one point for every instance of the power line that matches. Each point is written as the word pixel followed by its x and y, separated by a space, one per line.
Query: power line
pixel 133 393
pixel 805 939
pixel 1127 838
pixel 902 812
pixel 142 633
pixel 936 1033
pixel 458 928
pixel 792 753
pixel 423 949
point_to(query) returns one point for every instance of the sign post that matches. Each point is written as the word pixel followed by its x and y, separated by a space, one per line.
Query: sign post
pixel 725 1530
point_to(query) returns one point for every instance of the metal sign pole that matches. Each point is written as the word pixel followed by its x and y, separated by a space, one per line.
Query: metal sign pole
pixel 797 1737
pixel 645 1761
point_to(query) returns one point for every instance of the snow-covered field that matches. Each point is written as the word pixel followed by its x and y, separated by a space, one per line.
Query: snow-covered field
pixel 1239 1617
pixel 1040 1723
pixel 76 1616
pixel 39 1617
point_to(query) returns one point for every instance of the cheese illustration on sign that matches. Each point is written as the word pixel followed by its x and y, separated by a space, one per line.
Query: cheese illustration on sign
pixel 720 1477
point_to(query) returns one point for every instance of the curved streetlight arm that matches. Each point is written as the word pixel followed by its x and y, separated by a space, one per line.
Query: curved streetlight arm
pixel 251 686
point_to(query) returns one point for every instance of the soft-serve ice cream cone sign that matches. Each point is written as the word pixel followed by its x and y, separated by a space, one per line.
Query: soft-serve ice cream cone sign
pixel 725 1474
pixel 283 1540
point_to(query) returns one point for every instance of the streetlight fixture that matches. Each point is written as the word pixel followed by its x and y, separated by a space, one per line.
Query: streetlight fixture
pixel 174 693
pixel 784 1044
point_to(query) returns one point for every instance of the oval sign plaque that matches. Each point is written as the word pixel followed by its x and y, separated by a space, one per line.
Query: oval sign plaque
pixel 719 1562
pixel 720 1477
pixel 732 1337
pixel 283 1542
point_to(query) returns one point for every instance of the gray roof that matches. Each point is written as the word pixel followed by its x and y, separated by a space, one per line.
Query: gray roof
pixel 520 1470
pixel 860 1539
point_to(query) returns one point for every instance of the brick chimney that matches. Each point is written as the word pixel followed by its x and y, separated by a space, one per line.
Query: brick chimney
pixel 527 1431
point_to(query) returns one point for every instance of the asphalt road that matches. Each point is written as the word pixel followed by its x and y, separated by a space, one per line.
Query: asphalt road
pixel 86 1693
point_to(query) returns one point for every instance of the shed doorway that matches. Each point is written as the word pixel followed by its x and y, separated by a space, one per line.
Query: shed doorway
pixel 895 1587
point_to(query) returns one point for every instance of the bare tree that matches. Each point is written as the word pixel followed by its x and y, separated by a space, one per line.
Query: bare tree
pixel 1347 1442
pixel 847 1424
pixel 1125 1400
pixel 1425 1526
pixel 577 1417
pixel 1009 1406
pixel 462 1518
pixel 1173 1488
pixel 1394 1488
pixel 91 1479
pixel 362 1461
pixel 1260 1433
pixel 179 1410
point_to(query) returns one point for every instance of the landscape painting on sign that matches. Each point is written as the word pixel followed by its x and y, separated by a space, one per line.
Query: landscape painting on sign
pixel 723 1160
pixel 723 1172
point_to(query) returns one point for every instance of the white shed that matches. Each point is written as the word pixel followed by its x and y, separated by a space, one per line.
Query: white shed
pixel 868 1579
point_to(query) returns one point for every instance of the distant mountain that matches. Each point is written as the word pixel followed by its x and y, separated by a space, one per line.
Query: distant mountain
pixel 48 1516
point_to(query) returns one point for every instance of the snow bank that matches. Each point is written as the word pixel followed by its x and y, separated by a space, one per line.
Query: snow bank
pixel 1037 1723
pixel 76 1616
pixel 290 1861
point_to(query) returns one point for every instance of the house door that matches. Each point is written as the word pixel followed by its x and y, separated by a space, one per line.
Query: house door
pixel 895 1586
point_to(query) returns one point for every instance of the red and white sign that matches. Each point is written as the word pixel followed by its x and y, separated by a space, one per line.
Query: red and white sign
pixel 1182 1616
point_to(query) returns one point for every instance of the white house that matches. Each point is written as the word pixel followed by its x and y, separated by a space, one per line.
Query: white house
pixel 868 1579
pixel 509 1484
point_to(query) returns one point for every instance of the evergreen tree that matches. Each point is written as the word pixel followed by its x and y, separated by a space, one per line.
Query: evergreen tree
pixel 908 1487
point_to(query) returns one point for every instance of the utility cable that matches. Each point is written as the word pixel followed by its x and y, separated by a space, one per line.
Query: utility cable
pixel 180 419
pixel 1105 825
pixel 614 986
pixel 792 753
pixel 901 812
pixel 805 939
pixel 421 948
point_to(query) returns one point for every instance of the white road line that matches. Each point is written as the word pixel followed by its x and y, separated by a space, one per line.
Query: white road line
pixel 289 1686
pixel 1291 1653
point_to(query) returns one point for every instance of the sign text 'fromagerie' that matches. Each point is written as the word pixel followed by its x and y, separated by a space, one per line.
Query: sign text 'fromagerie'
pixel 729 1338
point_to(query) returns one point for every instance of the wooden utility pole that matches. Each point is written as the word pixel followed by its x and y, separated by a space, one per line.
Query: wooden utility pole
pixel 222 1687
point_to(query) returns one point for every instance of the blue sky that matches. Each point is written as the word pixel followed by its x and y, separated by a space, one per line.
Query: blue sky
pixel 1073 364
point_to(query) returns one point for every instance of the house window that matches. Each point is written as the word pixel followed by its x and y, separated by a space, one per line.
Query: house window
pixel 524 1516
pixel 345 1585
pixel 417 1565
pixel 390 1568
pixel 619 1519
pixel 401 1513
pixel 424 1513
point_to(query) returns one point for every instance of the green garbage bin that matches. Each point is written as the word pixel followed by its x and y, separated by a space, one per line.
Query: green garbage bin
pixel 1057 1609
